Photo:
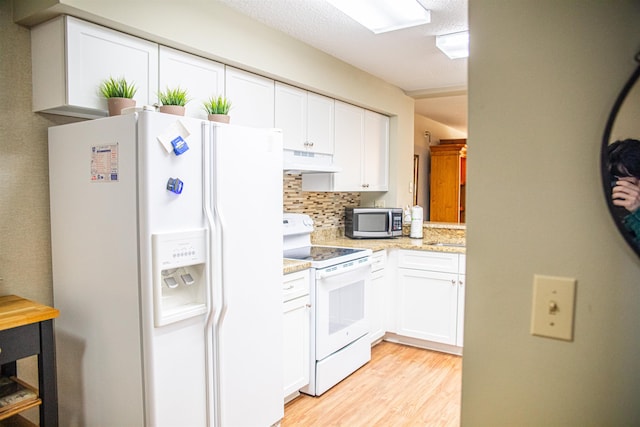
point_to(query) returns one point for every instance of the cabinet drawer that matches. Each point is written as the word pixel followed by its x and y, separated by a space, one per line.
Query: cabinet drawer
pixel 20 342
pixel 428 261
pixel 295 285
pixel 378 260
pixel 296 303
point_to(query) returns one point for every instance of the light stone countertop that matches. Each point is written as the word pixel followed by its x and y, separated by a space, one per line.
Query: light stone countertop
pixel 436 236
pixel 397 243
pixel 292 265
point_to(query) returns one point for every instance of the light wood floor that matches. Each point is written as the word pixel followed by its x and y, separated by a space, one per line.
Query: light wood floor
pixel 400 386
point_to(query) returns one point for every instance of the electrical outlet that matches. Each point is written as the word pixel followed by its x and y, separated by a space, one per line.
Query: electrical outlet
pixel 552 310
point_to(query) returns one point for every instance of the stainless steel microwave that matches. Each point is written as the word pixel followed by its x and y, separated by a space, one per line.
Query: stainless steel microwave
pixel 373 223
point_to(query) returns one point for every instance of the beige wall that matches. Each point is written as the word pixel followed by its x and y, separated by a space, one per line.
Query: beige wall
pixel 25 249
pixel 543 75
pixel 25 255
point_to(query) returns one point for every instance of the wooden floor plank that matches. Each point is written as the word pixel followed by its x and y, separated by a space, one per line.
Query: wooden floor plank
pixel 401 386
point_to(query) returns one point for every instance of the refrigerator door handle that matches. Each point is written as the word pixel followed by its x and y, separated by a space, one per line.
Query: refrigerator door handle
pixel 213 314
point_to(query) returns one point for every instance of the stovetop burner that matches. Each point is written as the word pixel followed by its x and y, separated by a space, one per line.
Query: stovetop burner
pixel 297 230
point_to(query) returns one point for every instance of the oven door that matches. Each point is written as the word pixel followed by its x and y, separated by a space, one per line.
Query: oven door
pixel 341 317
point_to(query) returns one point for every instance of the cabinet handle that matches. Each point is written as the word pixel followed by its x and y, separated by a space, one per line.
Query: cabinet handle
pixel 308 305
pixel 460 282
pixel 287 288
pixel 453 282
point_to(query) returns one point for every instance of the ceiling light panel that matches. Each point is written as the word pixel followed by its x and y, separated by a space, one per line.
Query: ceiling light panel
pixel 381 16
pixel 454 45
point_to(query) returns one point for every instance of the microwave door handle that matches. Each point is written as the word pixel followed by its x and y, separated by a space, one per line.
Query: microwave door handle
pixel 390 226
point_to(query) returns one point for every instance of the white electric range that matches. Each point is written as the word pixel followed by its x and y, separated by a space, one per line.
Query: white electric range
pixel 340 280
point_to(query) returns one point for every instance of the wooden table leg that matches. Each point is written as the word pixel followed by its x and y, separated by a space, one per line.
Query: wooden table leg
pixel 47 376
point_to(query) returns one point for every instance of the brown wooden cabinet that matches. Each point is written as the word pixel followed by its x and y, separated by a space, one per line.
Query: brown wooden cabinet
pixel 448 181
pixel 26 329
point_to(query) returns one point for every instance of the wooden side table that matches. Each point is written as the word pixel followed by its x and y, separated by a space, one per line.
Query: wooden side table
pixel 26 329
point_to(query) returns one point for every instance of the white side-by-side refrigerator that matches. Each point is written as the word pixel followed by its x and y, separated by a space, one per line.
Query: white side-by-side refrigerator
pixel 167 269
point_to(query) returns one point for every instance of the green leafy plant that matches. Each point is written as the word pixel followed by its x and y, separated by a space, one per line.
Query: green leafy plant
pixel 175 96
pixel 117 88
pixel 217 105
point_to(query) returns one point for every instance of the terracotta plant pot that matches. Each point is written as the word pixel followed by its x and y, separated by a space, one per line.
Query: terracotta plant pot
pixel 117 104
pixel 178 110
pixel 221 118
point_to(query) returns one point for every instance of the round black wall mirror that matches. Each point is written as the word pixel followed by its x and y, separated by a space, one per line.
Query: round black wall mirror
pixel 620 160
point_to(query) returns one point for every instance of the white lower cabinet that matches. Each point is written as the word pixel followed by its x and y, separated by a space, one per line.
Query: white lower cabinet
pixel 462 276
pixel 430 296
pixel 376 298
pixel 296 323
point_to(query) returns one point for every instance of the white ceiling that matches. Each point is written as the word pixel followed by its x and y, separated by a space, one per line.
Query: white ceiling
pixel 405 58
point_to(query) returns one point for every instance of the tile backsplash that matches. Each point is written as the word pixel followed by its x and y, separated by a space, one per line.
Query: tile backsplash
pixel 325 208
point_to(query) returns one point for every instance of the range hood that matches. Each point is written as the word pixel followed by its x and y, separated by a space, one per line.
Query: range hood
pixel 295 162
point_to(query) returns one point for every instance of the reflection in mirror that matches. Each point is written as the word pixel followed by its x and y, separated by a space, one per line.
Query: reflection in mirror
pixel 620 161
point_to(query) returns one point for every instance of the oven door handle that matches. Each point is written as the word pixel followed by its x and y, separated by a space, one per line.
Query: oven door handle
pixel 330 271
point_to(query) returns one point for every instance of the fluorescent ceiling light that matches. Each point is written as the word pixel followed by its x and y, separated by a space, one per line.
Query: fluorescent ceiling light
pixel 381 16
pixel 454 45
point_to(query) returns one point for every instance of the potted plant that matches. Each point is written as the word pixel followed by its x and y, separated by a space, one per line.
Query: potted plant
pixel 218 109
pixel 173 101
pixel 119 94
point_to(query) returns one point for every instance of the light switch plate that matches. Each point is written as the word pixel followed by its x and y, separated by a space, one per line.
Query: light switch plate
pixel 552 311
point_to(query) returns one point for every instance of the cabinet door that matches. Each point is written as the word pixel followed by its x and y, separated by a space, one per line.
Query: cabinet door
pixel 462 285
pixel 202 78
pixel 428 305
pixel 252 98
pixel 296 345
pixel 291 116
pixel 95 53
pixel 376 301
pixel 376 298
pixel 376 152
pixel 445 188
pixel 349 125
pixel 460 320
pixel 320 123
pixel 71 58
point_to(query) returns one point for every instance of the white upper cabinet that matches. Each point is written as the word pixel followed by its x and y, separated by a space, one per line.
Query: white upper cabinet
pixel 202 78
pixel 375 152
pixel 349 144
pixel 71 58
pixel 361 153
pixel 305 118
pixel 252 98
